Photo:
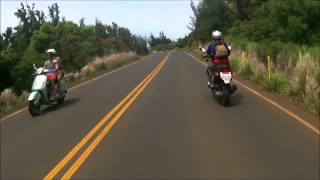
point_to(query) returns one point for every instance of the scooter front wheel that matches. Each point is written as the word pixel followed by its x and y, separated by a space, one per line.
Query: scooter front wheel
pixel 61 100
pixel 34 109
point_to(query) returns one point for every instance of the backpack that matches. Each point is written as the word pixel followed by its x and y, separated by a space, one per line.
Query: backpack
pixel 221 50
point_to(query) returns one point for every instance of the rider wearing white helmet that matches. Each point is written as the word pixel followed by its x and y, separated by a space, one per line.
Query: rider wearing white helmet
pixel 53 64
pixel 217 50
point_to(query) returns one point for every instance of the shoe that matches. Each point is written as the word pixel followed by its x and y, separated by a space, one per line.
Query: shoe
pixel 56 96
pixel 233 89
pixel 218 93
pixel 52 98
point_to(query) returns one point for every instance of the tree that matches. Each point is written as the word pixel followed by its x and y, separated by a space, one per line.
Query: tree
pixel 81 22
pixel 30 20
pixel 208 16
pixel 140 45
pixel 125 35
pixel 54 13
pixel 100 29
pixel 160 43
pixel 8 37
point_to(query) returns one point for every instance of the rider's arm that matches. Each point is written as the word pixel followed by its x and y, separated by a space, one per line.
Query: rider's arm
pixel 211 51
pixel 45 65
pixel 225 44
pixel 56 63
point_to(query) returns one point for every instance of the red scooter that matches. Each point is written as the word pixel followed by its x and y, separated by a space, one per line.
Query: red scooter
pixel 221 78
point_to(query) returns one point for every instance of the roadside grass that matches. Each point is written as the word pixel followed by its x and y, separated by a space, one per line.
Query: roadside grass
pixel 305 80
pixel 246 71
pixel 234 64
pixel 100 66
pixel 10 102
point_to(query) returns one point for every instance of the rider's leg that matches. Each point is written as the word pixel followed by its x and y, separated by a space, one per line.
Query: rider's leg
pixel 58 86
pixel 209 74
pixel 51 87
pixel 55 88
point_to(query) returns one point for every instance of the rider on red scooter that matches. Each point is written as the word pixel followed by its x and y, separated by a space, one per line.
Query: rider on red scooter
pixel 218 51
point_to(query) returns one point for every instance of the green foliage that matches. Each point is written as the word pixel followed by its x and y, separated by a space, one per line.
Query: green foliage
pixel 235 65
pixel 208 16
pixel 286 20
pixel 140 45
pixel 237 42
pixel 246 70
pixel 259 77
pixel 182 42
pixel 76 45
pixel 159 43
pixel 278 83
pixel 268 48
pixel 293 21
pixel 7 62
pixel 54 13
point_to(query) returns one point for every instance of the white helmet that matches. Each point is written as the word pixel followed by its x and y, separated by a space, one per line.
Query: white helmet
pixel 216 35
pixel 53 51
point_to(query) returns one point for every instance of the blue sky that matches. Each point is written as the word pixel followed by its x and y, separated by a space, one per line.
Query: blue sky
pixel 140 16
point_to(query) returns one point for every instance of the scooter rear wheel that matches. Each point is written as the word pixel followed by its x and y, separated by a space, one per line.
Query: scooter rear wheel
pixel 34 109
pixel 226 96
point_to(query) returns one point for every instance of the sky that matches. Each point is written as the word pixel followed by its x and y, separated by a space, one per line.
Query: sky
pixel 142 17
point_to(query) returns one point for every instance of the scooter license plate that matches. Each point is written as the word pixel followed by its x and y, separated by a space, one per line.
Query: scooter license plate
pixel 226 76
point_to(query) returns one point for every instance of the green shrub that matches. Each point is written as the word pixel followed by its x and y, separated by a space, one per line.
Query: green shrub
pixel 259 77
pixel 278 83
pixel 235 65
pixel 246 70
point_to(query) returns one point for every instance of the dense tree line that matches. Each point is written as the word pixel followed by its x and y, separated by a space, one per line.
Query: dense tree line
pixel 161 42
pixel 286 21
pixel 76 44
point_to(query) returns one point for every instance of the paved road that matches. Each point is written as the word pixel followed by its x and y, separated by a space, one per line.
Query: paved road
pixel 173 129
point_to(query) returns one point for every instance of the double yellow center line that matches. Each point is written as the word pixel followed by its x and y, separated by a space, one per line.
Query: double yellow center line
pixel 125 104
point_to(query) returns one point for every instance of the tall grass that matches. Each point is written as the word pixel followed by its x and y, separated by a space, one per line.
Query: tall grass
pixel 296 70
pixel 9 101
pixel 305 80
pixel 100 65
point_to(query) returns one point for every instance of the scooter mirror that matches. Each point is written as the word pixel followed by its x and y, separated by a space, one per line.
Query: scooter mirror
pixel 203 50
pixel 229 48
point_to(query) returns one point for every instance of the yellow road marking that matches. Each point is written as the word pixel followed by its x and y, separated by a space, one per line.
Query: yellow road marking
pixel 81 84
pixel 77 148
pixel 283 109
pixel 103 133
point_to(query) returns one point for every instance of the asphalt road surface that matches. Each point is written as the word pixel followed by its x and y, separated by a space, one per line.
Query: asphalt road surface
pixel 168 127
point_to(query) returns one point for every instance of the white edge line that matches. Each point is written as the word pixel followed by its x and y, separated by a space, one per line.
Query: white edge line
pixel 86 82
pixel 298 118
